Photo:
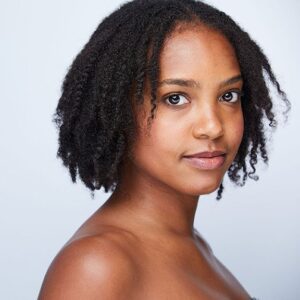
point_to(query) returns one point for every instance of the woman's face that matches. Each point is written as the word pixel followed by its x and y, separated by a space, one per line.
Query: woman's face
pixel 191 118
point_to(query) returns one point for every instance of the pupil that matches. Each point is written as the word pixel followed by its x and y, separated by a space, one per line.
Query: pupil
pixel 173 97
pixel 226 96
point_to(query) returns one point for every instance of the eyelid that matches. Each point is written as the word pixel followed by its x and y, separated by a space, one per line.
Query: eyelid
pixel 175 93
pixel 239 91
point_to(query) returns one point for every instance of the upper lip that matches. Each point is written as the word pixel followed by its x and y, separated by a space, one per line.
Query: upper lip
pixel 207 154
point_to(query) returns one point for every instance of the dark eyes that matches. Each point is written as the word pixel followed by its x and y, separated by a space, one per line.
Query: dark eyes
pixel 231 97
pixel 173 99
pixel 228 97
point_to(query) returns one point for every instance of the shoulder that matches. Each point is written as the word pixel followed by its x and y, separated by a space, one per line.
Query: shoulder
pixel 203 242
pixel 89 268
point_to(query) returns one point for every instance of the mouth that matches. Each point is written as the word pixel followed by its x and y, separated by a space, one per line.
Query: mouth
pixel 206 163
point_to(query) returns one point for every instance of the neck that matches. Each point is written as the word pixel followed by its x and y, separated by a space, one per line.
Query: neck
pixel 141 203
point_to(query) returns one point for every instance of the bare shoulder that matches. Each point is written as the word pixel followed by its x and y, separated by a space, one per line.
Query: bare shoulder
pixel 203 242
pixel 90 267
pixel 222 269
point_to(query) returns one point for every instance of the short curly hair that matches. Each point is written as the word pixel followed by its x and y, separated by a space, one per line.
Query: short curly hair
pixel 94 115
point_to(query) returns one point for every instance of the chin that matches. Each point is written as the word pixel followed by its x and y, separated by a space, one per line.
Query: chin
pixel 202 189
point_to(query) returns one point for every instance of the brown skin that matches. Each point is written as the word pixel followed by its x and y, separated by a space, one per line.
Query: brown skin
pixel 141 244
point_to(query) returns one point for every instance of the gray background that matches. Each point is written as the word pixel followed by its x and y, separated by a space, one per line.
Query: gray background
pixel 253 230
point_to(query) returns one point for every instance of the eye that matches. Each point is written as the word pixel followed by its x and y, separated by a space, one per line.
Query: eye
pixel 174 99
pixel 232 96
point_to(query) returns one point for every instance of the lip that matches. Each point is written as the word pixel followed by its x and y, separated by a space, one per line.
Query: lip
pixel 206 154
pixel 207 160
pixel 206 163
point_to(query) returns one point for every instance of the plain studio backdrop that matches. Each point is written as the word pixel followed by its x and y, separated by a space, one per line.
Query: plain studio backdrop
pixel 253 230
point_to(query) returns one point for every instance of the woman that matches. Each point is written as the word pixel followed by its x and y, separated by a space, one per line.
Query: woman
pixel 164 99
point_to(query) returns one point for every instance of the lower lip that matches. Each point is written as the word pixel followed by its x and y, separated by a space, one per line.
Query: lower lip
pixel 206 163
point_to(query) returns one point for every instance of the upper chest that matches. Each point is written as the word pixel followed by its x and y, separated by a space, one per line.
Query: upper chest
pixel 185 273
pixel 171 268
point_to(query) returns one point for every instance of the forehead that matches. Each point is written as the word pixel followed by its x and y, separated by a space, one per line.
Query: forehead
pixel 199 53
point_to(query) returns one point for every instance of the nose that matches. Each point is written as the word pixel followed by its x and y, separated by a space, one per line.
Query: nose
pixel 208 123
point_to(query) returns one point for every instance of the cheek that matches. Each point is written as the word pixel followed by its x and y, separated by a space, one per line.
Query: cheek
pixel 157 150
pixel 236 131
pixel 163 139
pixel 170 134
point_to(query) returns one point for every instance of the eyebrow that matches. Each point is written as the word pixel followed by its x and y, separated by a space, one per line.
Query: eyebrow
pixel 193 83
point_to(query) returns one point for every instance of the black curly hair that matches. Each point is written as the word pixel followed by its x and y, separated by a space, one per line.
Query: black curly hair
pixel 94 115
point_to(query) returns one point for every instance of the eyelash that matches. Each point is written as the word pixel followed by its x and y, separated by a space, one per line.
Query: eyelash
pixel 239 95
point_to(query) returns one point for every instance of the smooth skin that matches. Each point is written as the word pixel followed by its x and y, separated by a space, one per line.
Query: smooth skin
pixel 141 243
